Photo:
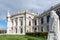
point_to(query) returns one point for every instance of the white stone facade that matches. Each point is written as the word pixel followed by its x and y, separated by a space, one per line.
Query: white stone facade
pixel 21 23
pixel 25 21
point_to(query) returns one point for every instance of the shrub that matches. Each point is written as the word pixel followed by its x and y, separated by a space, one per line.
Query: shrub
pixel 38 34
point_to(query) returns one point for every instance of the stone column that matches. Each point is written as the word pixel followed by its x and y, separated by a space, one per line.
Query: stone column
pixel 14 26
pixel 31 22
pixel 37 25
pixel 31 25
pixel 24 25
pixel 37 21
pixel 18 26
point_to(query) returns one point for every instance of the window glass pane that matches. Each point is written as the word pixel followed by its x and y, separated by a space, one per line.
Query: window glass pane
pixel 48 18
pixel 35 22
pixel 41 20
pixel 29 23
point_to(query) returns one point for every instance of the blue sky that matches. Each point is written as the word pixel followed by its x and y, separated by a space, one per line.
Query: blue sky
pixel 37 6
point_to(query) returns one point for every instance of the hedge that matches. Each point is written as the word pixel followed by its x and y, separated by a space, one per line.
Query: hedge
pixel 39 34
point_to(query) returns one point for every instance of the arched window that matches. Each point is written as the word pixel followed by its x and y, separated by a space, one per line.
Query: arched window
pixel 29 23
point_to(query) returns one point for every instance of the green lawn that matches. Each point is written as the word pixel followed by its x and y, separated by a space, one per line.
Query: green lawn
pixel 19 37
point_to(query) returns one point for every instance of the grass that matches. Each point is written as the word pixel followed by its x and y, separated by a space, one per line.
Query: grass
pixel 20 37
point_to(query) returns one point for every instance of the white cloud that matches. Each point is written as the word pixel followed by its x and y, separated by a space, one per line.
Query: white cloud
pixel 16 5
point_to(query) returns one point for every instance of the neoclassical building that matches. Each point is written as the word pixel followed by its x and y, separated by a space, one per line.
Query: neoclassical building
pixel 26 21
pixel 22 22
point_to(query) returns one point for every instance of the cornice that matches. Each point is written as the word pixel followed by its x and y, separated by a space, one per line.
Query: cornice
pixel 23 13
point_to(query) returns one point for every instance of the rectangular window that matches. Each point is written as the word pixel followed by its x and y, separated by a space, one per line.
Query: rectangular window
pixel 29 23
pixel 48 18
pixel 35 22
pixel 42 21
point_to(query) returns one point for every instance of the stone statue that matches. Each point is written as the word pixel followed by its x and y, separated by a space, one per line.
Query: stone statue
pixel 53 26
